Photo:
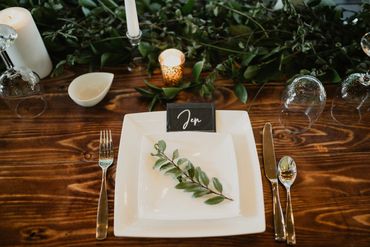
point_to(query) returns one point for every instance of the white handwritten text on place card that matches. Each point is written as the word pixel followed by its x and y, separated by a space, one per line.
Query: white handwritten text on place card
pixel 194 121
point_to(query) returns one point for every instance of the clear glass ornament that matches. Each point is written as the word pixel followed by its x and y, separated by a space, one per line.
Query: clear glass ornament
pixel 351 102
pixel 19 86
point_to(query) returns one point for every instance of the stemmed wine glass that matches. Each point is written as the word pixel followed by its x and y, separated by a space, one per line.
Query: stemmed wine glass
pixel 19 86
pixel 352 99
pixel 302 103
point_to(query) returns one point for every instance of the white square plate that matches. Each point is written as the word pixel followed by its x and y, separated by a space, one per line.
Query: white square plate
pixel 148 205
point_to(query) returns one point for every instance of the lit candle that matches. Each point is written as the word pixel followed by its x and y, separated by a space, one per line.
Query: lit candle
pixel 132 21
pixel 172 65
pixel 28 49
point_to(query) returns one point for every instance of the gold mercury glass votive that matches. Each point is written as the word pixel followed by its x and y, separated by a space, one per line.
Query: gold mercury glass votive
pixel 172 65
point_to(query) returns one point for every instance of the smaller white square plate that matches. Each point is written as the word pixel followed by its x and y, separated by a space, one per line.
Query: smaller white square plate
pixel 212 152
pixel 135 214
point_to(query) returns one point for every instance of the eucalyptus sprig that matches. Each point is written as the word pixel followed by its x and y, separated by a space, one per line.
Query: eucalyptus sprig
pixel 190 179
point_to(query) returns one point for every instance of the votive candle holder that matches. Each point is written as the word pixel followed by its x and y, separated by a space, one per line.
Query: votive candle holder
pixel 172 66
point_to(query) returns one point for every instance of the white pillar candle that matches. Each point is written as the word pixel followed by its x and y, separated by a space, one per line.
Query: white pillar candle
pixel 131 18
pixel 28 49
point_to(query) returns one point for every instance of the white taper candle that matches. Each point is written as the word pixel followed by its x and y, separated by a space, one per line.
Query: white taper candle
pixel 131 18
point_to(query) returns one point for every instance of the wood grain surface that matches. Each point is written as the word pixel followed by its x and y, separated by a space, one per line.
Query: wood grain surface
pixel 50 180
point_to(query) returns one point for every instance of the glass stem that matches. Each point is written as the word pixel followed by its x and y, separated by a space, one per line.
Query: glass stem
pixel 8 63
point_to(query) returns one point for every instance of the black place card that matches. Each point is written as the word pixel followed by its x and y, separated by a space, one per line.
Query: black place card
pixel 191 117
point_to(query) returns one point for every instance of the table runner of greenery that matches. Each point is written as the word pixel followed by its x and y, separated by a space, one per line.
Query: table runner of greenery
pixel 243 40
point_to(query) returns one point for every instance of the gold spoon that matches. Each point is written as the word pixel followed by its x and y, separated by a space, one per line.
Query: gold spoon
pixel 287 171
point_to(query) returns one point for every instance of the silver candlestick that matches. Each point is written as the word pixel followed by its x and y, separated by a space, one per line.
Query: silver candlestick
pixel 137 61
pixel 134 40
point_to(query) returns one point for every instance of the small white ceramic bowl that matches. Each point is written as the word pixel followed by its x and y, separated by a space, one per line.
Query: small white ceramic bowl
pixel 89 89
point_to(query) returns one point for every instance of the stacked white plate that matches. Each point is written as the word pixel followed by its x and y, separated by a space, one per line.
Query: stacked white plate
pixel 146 202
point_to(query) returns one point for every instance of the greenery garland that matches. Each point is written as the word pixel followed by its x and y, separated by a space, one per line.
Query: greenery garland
pixel 246 41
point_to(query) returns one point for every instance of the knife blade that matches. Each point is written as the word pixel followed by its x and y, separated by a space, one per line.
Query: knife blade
pixel 271 174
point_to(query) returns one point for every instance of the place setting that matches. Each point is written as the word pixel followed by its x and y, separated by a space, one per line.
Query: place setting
pixel 224 159
pixel 183 122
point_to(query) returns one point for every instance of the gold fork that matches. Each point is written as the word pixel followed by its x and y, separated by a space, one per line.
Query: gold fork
pixel 106 156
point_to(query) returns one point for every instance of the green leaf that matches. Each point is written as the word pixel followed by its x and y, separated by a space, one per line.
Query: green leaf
pixel 193 188
pixel 240 30
pixel 171 92
pixel 197 70
pixel 214 200
pixel 105 58
pixel 85 11
pixel 197 172
pixel 110 4
pixel 272 52
pixel 201 189
pixel 59 68
pixel 204 91
pixel 165 166
pixel 187 7
pixel 189 168
pixel 174 171
pixel 204 178
pixel 251 72
pixel 313 3
pixel 182 161
pixel 153 102
pixel 152 86
pixel 144 92
pixel 217 184
pixel 216 11
pixel 247 58
pixel 335 77
pixel 145 48
pixel 181 185
pixel 200 193
pixel 241 92
pixel 161 146
pixel 159 163
pixel 327 3
pixel 175 154
pixel 87 3
pixel 190 185
pixel 155 7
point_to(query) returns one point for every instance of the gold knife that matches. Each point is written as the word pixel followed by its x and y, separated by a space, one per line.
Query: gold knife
pixel 271 174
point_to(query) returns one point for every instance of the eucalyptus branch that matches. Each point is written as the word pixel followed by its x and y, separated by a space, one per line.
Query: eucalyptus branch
pixel 75 23
pixel 106 8
pixel 191 179
pixel 215 47
pixel 247 35
pixel 245 15
pixel 111 38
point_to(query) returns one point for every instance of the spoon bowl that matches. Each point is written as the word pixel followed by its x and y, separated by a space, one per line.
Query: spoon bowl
pixel 287 171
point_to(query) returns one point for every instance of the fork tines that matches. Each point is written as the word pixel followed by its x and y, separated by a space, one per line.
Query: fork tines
pixel 106 143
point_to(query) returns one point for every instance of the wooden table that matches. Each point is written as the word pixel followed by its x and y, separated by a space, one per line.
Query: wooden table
pixel 50 180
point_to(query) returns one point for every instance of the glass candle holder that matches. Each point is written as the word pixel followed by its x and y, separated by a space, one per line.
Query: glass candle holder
pixel 172 66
